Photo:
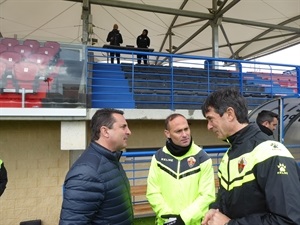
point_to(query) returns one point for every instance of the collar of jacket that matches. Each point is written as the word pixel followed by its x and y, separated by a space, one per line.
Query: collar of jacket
pixel 266 130
pixel 107 153
pixel 241 135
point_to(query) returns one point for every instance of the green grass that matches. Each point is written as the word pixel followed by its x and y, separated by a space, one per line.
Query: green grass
pixel 145 221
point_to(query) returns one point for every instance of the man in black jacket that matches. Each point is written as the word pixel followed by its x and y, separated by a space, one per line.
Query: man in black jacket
pixel 267 121
pixel 114 37
pixel 3 177
pixel 143 41
pixel 259 178
pixel 96 188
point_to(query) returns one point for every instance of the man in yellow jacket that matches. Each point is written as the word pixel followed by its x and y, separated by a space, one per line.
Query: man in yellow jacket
pixel 180 183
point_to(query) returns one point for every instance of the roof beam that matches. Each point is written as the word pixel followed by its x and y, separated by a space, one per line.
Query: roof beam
pixel 186 13
pixel 148 8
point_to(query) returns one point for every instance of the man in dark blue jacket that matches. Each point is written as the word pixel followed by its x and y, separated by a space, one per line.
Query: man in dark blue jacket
pixel 96 188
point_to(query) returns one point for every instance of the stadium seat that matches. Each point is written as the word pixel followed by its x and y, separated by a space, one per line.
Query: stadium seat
pixel 24 50
pixel 42 60
pixel 34 44
pixel 47 51
pixel 10 58
pixel 10 42
pixel 26 74
pixel 53 44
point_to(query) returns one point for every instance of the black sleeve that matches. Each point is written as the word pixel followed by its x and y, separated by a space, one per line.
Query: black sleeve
pixel 108 37
pixel 121 39
pixel 279 178
pixel 3 179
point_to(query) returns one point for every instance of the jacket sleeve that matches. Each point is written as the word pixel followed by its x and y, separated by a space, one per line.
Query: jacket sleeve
pixel 206 194
pixel 121 39
pixel 82 196
pixel 279 178
pixel 3 178
pixel 108 37
pixel 154 195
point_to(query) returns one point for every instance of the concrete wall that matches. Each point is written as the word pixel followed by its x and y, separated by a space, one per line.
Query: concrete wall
pixel 37 167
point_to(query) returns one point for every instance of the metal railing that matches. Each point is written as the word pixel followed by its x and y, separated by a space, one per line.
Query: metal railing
pixel 181 81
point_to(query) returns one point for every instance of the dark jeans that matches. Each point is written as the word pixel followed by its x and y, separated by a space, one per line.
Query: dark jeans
pixel 112 54
pixel 140 57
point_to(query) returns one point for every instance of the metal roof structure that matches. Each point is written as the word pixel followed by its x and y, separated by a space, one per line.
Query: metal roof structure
pixel 240 29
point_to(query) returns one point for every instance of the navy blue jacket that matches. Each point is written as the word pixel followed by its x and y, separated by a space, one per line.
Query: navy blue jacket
pixel 97 190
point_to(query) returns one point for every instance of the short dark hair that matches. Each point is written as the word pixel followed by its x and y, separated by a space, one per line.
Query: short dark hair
pixel 103 117
pixel 222 99
pixel 266 115
pixel 170 118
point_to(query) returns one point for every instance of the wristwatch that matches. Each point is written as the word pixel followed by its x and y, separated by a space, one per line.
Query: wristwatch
pixel 226 223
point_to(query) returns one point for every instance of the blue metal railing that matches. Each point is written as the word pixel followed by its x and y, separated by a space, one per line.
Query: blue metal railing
pixel 182 81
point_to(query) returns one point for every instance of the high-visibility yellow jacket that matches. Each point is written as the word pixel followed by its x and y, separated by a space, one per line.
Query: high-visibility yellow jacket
pixel 182 185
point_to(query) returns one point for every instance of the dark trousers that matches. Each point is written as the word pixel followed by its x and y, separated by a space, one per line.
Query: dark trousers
pixel 112 55
pixel 140 57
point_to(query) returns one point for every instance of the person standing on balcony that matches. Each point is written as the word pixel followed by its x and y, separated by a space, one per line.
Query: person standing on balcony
pixel 96 188
pixel 180 184
pixel 259 178
pixel 143 41
pixel 114 38
pixel 267 121
pixel 3 177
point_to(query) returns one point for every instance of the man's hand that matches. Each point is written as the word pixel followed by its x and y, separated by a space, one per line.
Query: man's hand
pixel 215 217
pixel 208 216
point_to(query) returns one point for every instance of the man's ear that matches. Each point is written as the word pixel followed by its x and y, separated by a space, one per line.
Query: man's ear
pixel 167 133
pixel 104 131
pixel 266 124
pixel 230 113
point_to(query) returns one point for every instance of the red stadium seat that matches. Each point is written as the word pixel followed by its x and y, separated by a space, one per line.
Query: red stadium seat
pixel 24 50
pixel 10 42
pixel 53 44
pixel 40 59
pixel 10 58
pixel 47 51
pixel 26 74
pixel 34 44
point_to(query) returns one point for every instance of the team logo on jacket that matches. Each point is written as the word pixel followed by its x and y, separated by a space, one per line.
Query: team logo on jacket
pixel 241 165
pixel 191 161
pixel 282 169
pixel 275 146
